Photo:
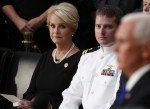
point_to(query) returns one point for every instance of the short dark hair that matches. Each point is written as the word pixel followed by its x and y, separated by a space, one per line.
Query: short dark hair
pixel 110 11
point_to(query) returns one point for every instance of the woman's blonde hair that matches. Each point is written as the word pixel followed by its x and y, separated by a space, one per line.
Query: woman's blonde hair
pixel 67 12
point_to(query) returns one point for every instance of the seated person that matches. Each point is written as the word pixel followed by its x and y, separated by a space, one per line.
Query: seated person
pixel 97 79
pixel 56 67
pixel 133 52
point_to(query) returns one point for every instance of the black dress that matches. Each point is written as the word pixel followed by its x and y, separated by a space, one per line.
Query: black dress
pixel 51 79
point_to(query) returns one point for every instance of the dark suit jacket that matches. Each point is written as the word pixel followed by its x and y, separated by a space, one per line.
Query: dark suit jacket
pixel 139 94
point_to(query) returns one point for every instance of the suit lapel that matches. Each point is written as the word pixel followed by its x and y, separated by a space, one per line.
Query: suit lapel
pixel 145 79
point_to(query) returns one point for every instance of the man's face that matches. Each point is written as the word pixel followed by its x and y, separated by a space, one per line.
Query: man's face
pixel 146 6
pixel 127 49
pixel 105 28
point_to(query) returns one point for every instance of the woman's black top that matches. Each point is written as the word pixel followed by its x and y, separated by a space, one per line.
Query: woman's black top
pixel 51 78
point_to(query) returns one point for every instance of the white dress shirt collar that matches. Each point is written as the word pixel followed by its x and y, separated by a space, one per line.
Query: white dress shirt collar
pixel 107 50
pixel 136 76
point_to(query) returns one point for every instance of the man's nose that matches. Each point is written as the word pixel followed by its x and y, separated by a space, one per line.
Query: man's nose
pixel 102 30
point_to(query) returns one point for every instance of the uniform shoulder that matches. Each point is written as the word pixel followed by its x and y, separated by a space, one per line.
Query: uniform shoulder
pixel 90 50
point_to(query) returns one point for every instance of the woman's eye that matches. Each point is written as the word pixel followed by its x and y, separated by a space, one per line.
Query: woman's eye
pixel 52 26
pixel 62 26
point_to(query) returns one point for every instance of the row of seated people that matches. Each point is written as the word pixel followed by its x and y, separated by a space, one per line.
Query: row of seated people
pixel 14 79
pixel 84 36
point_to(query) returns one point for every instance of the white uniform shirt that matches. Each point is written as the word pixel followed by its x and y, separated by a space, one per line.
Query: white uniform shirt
pixel 96 82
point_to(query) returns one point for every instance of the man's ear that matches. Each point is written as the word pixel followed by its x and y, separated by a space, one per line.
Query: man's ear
pixel 146 50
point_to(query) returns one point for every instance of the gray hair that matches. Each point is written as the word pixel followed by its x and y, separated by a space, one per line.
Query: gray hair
pixel 67 12
pixel 142 29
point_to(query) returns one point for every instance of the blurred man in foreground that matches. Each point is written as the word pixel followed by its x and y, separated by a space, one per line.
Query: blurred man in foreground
pixel 133 51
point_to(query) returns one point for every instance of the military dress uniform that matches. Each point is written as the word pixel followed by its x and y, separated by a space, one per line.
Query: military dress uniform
pixel 96 81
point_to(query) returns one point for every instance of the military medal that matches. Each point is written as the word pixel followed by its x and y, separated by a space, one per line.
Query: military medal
pixel 108 71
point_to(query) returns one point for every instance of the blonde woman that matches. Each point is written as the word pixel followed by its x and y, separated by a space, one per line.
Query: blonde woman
pixel 56 67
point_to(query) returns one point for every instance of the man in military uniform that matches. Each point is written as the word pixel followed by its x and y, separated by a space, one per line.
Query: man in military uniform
pixel 97 79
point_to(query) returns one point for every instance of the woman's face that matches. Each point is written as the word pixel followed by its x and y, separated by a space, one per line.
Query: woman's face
pixel 60 31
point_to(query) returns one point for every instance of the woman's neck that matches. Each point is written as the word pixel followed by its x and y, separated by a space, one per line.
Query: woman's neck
pixel 62 49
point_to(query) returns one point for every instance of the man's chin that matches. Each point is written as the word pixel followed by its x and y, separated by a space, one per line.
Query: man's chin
pixel 106 44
